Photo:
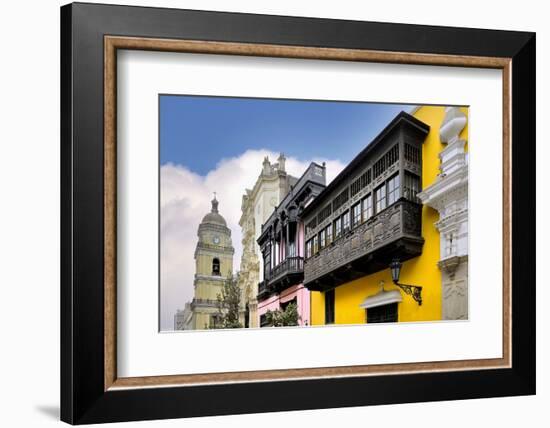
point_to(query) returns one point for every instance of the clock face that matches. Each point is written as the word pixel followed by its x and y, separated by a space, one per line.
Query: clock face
pixel 216 240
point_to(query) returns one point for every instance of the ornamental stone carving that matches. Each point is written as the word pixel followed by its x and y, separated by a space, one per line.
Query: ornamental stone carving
pixel 449 196
pixel 271 186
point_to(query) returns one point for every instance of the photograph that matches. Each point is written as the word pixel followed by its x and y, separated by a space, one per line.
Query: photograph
pixel 307 213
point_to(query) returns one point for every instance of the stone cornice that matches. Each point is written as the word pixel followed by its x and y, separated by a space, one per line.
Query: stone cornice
pixel 211 253
pixel 271 178
pixel 453 186
pixel 247 206
pixel 217 278
pixel 215 248
pixel 452 221
pixel 450 264
pixel 214 227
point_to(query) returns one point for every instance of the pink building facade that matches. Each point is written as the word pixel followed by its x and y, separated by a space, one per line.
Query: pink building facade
pixel 296 294
pixel 282 245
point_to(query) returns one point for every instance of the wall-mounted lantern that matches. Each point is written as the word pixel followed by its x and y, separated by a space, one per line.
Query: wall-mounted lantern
pixel 412 290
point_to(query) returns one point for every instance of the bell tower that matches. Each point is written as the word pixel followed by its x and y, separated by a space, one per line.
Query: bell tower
pixel 213 265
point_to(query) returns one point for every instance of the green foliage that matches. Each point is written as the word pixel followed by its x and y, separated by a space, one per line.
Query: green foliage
pixel 280 318
pixel 228 305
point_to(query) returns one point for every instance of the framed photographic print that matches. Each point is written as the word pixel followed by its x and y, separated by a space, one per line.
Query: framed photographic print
pixel 292 213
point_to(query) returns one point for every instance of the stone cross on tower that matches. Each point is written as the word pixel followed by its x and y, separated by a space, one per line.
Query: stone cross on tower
pixel 214 204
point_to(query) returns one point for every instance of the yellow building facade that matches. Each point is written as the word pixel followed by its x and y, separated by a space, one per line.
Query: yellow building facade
pixel 423 270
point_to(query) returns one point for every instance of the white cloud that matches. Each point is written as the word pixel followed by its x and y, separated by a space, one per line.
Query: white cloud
pixel 185 199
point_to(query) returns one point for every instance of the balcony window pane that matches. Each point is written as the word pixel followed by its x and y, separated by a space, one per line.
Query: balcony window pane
pixel 412 187
pixel 329 234
pixel 393 189
pixel 267 264
pixel 337 227
pixel 367 207
pixel 356 214
pixel 345 221
pixel 322 242
pixel 291 249
pixel 380 196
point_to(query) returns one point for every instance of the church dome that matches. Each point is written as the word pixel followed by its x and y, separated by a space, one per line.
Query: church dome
pixel 214 217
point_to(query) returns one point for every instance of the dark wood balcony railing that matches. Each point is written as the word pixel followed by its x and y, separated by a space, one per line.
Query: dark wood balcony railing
pixel 369 247
pixel 264 290
pixel 288 265
pixel 287 273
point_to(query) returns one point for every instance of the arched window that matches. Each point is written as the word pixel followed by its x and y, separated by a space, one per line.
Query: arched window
pixel 216 267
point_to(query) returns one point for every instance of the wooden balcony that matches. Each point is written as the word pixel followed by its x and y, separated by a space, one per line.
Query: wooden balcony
pixel 264 291
pixel 287 273
pixel 368 248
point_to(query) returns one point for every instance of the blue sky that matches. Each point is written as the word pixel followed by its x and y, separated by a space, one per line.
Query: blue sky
pixel 197 132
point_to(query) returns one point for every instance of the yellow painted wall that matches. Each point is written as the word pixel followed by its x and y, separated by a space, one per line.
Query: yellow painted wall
pixel 421 270
pixel 433 116
pixel 317 308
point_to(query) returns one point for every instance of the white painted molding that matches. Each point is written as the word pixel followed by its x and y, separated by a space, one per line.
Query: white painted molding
pixel 453 124
pixel 381 298
pixel 449 193
pixel 447 190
